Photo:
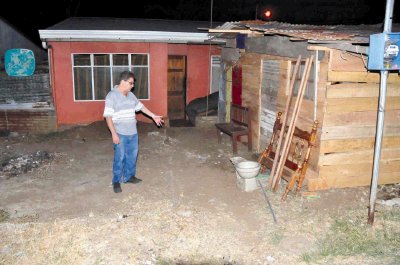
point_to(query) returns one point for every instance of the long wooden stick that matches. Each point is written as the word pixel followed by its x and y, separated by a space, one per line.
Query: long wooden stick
pixel 282 157
pixel 292 124
pixel 283 128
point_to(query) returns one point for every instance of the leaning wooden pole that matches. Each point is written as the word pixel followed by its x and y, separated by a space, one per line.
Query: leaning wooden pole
pixel 283 128
pixel 274 176
pixel 292 123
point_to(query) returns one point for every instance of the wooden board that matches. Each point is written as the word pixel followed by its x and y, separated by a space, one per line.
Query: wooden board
pixel 350 145
pixel 251 87
pixel 340 105
pixel 351 181
pixel 392 117
pixel 317 184
pixel 365 156
pixel 366 77
pixel 356 131
pixel 346 61
pixel 357 181
pixel 360 90
pixel 359 169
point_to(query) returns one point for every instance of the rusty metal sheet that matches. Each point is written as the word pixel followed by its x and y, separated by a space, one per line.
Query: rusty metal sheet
pixel 351 33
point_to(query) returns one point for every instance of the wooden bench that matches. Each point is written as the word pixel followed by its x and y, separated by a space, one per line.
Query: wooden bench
pixel 238 126
pixel 296 162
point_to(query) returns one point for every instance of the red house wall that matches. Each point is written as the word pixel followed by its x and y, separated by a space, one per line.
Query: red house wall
pixel 70 112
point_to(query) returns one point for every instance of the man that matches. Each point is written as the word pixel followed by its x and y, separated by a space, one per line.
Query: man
pixel 119 111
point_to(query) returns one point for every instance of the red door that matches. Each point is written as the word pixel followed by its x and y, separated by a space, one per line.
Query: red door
pixel 237 85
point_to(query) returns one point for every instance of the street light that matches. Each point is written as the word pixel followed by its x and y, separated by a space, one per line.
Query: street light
pixel 267 14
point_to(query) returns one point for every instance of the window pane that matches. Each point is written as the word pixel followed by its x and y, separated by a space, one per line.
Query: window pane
pixel 215 73
pixel 141 89
pixel 120 59
pixel 102 82
pixel 116 72
pixel 81 59
pixel 83 83
pixel 139 59
pixel 101 59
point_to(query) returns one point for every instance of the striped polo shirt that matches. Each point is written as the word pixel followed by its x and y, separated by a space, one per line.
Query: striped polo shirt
pixel 122 109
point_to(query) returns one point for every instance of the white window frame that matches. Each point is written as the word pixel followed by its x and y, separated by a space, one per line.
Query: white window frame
pixel 92 66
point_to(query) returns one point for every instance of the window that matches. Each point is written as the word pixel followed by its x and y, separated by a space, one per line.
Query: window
pixel 215 73
pixel 95 74
pixel 270 83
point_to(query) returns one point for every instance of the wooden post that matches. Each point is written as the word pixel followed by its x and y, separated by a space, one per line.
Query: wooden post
pixel 286 113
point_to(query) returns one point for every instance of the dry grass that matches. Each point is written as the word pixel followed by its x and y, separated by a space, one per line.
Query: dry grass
pixel 146 233
pixel 349 235
pixel 4 216
pixel 163 233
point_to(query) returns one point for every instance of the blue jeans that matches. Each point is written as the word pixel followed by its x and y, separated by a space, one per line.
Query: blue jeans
pixel 125 156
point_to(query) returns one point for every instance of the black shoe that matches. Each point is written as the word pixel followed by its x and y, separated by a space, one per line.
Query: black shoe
pixel 117 187
pixel 133 180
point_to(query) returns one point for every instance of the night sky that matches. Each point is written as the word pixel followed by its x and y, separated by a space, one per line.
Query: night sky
pixel 34 15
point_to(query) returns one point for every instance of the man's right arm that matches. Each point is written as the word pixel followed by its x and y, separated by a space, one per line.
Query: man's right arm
pixel 108 114
pixel 114 134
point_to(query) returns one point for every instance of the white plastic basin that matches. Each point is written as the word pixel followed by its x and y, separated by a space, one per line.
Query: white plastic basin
pixel 237 159
pixel 247 169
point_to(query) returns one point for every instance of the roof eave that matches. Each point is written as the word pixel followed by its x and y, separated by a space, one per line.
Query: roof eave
pixel 123 35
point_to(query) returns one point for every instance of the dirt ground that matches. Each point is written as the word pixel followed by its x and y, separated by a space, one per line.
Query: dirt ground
pixel 187 210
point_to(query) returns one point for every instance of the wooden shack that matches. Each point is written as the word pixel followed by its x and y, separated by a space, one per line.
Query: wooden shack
pixel 341 94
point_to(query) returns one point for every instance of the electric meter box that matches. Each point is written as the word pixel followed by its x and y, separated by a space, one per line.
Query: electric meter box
pixel 384 52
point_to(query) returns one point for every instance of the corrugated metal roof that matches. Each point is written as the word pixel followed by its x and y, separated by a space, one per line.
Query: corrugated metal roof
pixel 129 29
pixel 131 24
pixel 313 33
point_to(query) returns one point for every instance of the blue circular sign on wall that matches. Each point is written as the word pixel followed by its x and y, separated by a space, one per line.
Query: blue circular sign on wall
pixel 19 62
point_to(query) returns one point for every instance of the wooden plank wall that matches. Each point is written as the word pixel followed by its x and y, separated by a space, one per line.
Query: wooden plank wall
pixel 251 92
pixel 34 88
pixel 305 119
pixel 251 89
pixel 349 127
pixel 251 96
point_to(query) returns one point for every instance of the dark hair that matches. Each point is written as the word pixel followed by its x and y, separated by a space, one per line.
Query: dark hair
pixel 125 75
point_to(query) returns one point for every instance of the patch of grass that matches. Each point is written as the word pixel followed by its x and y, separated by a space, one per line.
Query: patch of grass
pixel 349 236
pixel 306 257
pixel 4 216
pixel 277 236
pixel 162 262
pixel 169 262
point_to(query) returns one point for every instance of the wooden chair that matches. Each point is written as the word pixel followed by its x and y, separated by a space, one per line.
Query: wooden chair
pixel 296 162
pixel 238 126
